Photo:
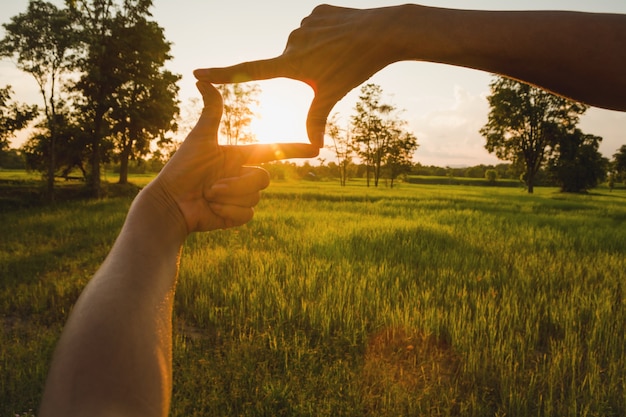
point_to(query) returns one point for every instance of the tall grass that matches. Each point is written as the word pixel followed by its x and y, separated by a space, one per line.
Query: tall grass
pixel 351 301
pixel 47 254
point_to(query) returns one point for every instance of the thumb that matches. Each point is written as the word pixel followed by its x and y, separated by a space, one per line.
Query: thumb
pixel 209 121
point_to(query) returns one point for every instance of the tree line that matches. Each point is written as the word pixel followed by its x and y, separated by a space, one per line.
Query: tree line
pixel 533 129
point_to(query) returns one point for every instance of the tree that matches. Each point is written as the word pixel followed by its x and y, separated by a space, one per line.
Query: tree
pixel 104 72
pixel 525 122
pixel 401 148
pixel 619 163
pixel 98 80
pixel 577 165
pixel 238 102
pixel 42 39
pixel 13 117
pixel 145 104
pixel 491 175
pixel 342 146
pixel 70 146
pixel 12 159
pixel 370 125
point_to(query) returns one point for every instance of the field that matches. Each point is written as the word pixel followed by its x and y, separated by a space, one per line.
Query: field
pixel 418 301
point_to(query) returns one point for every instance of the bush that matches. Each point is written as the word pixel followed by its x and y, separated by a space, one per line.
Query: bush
pixel 491 175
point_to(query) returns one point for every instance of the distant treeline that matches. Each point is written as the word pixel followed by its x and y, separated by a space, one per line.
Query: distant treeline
pixel 502 175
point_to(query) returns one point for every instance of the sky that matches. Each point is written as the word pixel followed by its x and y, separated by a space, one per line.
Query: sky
pixel 444 106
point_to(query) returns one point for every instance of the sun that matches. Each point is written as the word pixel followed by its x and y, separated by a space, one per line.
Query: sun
pixel 281 112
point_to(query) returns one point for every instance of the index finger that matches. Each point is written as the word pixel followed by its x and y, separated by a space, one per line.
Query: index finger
pixel 260 153
pixel 246 71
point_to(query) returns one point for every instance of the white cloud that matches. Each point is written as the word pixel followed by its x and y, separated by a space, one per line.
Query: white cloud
pixel 448 135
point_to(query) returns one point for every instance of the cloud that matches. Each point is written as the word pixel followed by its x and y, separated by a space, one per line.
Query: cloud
pixel 448 134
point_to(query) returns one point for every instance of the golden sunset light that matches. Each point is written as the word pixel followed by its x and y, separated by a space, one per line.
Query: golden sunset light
pixel 225 33
pixel 281 113
pixel 436 228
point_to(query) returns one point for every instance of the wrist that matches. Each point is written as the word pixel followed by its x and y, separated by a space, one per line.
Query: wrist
pixel 423 32
pixel 156 213
pixel 441 35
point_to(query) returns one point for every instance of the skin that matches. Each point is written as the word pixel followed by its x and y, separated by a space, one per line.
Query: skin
pixel 114 357
pixel 577 55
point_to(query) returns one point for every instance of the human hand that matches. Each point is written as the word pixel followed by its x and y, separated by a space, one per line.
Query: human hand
pixel 334 50
pixel 208 184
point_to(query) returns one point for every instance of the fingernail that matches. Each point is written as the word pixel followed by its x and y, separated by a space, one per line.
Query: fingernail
pixel 199 73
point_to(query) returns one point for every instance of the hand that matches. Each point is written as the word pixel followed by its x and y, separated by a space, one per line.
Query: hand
pixel 334 50
pixel 208 184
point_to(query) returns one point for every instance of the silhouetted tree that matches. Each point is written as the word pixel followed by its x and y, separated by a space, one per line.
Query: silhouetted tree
pixel 119 75
pixel 375 126
pixel 239 100
pixel 400 150
pixel 342 147
pixel 43 40
pixel 619 163
pixel 145 104
pixel 576 163
pixel 525 122
pixel 13 117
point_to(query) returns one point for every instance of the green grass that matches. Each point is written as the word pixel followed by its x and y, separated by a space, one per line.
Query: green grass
pixel 421 300
pixel 21 189
pixel 438 180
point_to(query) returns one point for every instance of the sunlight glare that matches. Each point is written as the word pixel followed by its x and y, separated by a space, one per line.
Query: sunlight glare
pixel 282 110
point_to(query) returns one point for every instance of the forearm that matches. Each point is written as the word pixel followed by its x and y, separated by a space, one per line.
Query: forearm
pixel 114 357
pixel 553 49
pixel 118 338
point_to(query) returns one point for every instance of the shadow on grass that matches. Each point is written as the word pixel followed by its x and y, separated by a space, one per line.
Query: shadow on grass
pixel 20 194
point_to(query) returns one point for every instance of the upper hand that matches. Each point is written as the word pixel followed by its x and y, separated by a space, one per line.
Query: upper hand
pixel 334 50
pixel 210 185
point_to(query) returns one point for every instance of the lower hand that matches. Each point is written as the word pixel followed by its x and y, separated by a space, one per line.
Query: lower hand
pixel 209 185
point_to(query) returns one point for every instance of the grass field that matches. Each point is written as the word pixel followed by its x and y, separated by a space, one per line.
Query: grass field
pixel 421 300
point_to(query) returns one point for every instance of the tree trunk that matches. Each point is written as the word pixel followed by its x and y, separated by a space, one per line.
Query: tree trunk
pixel 52 131
pixel 377 164
pixel 123 167
pixel 530 180
pixel 94 180
pixel 51 166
